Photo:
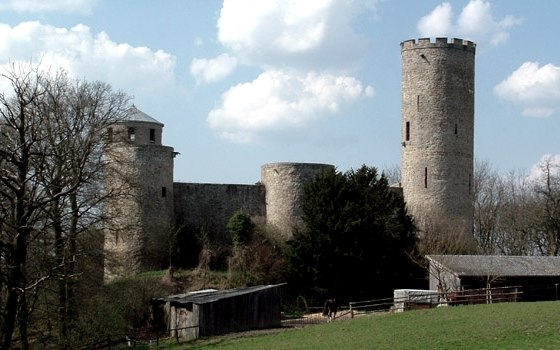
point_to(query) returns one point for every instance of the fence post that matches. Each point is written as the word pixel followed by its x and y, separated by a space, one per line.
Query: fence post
pixel 351 311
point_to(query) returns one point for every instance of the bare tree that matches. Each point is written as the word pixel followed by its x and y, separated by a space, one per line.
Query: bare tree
pixel 488 201
pixel 442 238
pixel 393 175
pixel 79 114
pixel 546 189
pixel 517 230
pixel 51 158
pixel 517 214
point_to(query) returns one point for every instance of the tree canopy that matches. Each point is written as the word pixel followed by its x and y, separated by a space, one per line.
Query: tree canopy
pixel 51 166
pixel 357 240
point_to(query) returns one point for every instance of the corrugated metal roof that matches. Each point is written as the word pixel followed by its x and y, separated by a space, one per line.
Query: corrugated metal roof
pixel 499 265
pixel 135 115
pixel 208 296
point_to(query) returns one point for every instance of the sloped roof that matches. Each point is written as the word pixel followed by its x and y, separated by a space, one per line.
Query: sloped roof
pixel 135 115
pixel 208 296
pixel 499 265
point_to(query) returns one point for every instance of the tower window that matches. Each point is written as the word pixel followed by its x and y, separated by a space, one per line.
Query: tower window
pixel 164 191
pixel 407 131
pixel 426 177
pixel 418 103
pixel 109 134
pixel 131 134
pixel 152 135
pixel 455 129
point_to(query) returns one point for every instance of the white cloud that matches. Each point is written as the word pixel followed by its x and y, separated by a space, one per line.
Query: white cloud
pixel 475 23
pixel 85 55
pixel 74 6
pixel 279 100
pixel 212 70
pixel 438 21
pixel 536 89
pixel 306 50
pixel 293 33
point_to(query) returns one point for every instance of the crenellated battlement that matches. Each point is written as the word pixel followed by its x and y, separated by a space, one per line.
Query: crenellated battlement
pixel 424 43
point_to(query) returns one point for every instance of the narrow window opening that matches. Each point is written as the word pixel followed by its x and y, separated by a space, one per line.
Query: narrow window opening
pixel 455 129
pixel 418 103
pixel 426 177
pixel 131 134
pixel 152 135
pixel 407 131
pixel 109 134
pixel 164 191
pixel 470 182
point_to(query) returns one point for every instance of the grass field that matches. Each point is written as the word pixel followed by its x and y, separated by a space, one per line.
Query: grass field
pixel 498 326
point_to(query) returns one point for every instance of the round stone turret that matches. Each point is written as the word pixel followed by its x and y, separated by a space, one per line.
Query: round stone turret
pixel 139 171
pixel 285 184
pixel 438 131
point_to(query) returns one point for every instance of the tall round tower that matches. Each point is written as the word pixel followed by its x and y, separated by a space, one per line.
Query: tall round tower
pixel 285 184
pixel 438 131
pixel 139 182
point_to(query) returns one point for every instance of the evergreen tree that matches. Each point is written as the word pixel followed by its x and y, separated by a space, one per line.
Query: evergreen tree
pixel 357 241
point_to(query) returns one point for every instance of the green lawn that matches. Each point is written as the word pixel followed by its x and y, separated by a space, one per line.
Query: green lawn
pixel 498 326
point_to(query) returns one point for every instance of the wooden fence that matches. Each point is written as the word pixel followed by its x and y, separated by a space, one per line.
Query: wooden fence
pixel 429 300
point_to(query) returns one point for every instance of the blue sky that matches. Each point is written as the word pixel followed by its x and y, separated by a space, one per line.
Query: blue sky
pixel 241 83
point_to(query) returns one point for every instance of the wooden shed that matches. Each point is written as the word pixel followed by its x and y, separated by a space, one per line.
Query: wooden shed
pixel 212 312
pixel 537 276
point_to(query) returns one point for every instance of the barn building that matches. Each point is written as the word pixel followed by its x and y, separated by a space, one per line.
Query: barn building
pixel 538 277
pixel 210 312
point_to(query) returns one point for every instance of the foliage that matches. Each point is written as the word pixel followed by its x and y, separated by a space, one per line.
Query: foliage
pixel 496 326
pixel 213 254
pixel 260 261
pixel 357 240
pixel 118 308
pixel 240 228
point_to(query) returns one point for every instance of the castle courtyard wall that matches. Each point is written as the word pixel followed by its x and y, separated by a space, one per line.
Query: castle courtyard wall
pixel 210 206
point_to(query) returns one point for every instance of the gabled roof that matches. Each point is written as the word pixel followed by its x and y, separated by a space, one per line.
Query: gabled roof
pixel 498 265
pixel 208 296
pixel 135 115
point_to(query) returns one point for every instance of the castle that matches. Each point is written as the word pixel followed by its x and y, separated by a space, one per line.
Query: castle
pixel 437 167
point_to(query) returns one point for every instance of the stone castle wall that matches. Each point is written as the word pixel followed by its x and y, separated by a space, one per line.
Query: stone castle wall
pixel 276 199
pixel 210 206
pixel 438 129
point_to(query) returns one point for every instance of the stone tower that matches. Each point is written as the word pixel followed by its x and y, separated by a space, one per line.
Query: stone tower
pixel 285 183
pixel 139 181
pixel 438 131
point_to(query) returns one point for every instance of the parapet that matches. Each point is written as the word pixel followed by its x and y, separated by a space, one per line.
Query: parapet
pixel 424 43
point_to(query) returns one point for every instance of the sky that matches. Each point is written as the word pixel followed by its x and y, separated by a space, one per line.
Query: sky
pixel 242 83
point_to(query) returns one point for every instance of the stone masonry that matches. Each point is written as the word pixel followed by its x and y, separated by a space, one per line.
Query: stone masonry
pixel 438 130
